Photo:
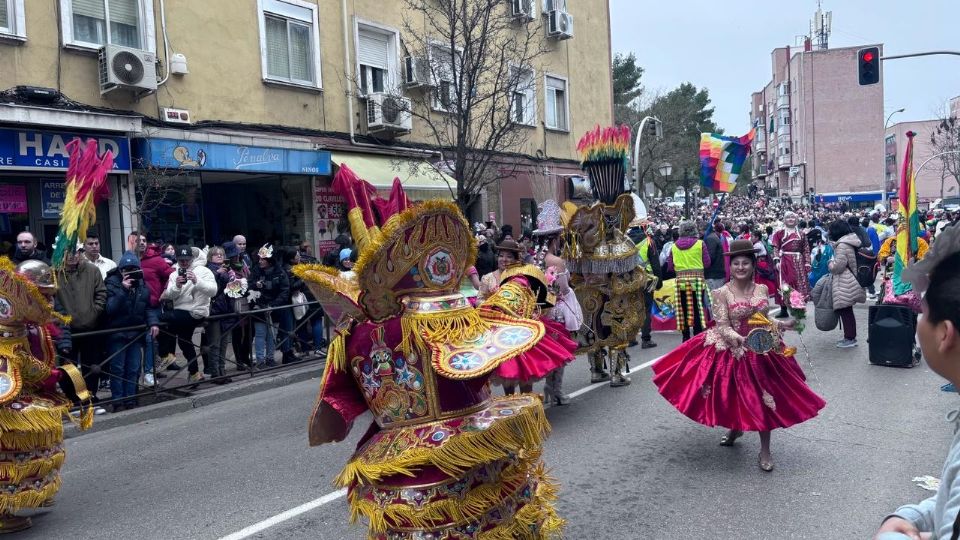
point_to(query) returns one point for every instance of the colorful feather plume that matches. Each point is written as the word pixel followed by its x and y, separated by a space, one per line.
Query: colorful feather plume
pixel 603 154
pixel 86 186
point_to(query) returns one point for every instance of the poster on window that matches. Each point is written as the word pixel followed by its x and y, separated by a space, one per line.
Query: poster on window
pixel 328 209
pixel 13 199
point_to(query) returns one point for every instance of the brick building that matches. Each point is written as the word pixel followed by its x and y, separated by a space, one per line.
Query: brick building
pixel 929 183
pixel 818 130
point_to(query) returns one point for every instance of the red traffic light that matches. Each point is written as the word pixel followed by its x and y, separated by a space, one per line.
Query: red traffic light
pixel 868 56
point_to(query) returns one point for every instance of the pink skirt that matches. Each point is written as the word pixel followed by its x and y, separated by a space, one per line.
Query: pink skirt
pixel 556 349
pixel 756 392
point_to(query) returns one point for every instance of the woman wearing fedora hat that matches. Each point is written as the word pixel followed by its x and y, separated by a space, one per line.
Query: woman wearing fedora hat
pixel 737 374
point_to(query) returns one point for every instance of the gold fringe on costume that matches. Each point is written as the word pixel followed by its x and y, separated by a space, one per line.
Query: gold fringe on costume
pixel 15 472
pixel 536 520
pixel 515 435
pixel 452 510
pixel 458 326
pixel 30 497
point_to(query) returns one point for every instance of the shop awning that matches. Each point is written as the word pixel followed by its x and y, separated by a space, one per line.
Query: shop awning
pixel 417 176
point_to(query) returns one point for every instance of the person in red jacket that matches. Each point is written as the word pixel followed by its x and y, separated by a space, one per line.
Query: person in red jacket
pixel 156 272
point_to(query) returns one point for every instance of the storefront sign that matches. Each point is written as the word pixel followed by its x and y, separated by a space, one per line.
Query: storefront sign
pixel 329 209
pixel 23 149
pixel 52 195
pixel 176 154
pixel 13 199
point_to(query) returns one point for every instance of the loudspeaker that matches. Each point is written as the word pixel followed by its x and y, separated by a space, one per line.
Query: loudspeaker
pixel 890 335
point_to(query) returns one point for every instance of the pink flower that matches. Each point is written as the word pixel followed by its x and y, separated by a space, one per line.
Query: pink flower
pixel 797 300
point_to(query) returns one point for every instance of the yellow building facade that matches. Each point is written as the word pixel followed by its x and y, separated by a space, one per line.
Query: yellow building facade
pixel 270 85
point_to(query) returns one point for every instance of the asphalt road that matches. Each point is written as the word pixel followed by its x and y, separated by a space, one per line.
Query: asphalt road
pixel 628 464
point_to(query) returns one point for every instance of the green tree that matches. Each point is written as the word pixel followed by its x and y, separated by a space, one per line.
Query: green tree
pixel 685 112
pixel 627 88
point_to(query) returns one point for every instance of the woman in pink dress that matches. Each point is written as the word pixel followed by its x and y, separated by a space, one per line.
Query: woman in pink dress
pixel 716 380
pixel 555 350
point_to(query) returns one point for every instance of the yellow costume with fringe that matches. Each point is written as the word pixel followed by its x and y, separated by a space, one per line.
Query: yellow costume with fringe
pixel 444 459
pixel 32 410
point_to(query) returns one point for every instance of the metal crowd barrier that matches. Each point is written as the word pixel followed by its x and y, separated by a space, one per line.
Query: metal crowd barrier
pixel 167 385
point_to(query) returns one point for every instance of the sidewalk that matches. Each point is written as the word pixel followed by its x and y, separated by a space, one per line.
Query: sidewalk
pixel 207 394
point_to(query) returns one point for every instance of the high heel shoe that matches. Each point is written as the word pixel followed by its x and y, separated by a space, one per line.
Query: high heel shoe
pixel 765 466
pixel 731 437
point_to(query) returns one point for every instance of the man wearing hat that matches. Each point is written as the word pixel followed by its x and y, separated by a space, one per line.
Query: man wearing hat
pixel 190 288
pixel 689 257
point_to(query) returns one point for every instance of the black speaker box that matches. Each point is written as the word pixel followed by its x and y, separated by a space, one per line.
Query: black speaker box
pixel 890 335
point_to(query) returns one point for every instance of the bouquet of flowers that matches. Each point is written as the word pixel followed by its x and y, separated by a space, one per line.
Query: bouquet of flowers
pixel 796 306
pixel 236 288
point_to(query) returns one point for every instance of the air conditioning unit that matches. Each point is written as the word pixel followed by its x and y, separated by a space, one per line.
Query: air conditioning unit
pixel 561 25
pixel 388 113
pixel 416 72
pixel 522 10
pixel 126 68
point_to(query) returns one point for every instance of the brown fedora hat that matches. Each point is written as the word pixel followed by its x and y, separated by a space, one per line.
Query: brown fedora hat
pixel 741 247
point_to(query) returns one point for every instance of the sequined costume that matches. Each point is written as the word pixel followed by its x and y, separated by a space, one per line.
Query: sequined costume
pixel 716 382
pixel 603 261
pixel 443 459
pixel 32 408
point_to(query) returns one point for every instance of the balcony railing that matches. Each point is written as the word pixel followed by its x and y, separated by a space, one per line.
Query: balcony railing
pixel 783 162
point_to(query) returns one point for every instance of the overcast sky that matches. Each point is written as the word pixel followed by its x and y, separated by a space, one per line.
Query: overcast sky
pixel 725 46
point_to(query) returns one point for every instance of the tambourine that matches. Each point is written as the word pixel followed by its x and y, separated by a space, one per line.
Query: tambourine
pixel 761 341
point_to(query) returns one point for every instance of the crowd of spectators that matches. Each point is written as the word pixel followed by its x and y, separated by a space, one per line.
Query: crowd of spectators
pixel 129 317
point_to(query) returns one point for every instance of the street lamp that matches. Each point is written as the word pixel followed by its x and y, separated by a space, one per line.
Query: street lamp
pixel 656 131
pixel 665 170
pixel 883 177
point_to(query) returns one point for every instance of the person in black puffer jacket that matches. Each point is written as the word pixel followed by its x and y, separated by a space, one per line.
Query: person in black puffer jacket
pixel 270 281
pixel 128 304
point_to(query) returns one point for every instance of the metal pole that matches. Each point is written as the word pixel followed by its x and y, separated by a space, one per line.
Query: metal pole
pixel 636 155
pixel 883 177
pixel 912 55
pixel 924 164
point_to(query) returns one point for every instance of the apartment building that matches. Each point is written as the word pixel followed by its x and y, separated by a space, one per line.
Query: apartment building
pixel 818 130
pixel 240 111
pixel 932 181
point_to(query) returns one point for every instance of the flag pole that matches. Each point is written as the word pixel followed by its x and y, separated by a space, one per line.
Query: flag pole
pixel 714 216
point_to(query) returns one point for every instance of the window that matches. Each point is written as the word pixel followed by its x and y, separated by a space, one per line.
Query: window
pixel 556 103
pixel 443 77
pixel 12 19
pixel 290 42
pixel 93 23
pixel 377 59
pixel 523 101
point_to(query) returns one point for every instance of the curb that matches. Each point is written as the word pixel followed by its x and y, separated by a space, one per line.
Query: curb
pixel 216 395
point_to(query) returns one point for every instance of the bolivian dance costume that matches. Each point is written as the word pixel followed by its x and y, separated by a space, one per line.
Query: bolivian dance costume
pixel 717 383
pixel 443 458
pixel 790 247
pixel 32 408
pixel 602 260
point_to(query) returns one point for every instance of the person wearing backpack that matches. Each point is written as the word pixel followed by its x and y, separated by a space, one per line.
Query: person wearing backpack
pixel 847 291
pixel 866 257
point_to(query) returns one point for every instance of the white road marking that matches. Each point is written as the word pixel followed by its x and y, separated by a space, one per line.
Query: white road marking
pixel 594 386
pixel 289 514
pixel 339 494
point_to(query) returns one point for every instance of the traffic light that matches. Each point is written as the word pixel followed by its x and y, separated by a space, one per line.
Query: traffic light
pixel 868 63
pixel 654 128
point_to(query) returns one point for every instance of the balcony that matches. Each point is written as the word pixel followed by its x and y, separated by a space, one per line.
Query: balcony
pixel 783 162
pixel 783 131
pixel 760 144
pixel 783 101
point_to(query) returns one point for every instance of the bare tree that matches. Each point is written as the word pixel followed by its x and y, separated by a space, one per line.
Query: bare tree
pixel 479 104
pixel 945 140
pixel 154 189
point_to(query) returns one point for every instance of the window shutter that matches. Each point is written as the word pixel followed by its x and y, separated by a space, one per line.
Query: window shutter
pixel 89 8
pixel 373 49
pixel 278 55
pixel 301 63
pixel 125 12
pixel 4 15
